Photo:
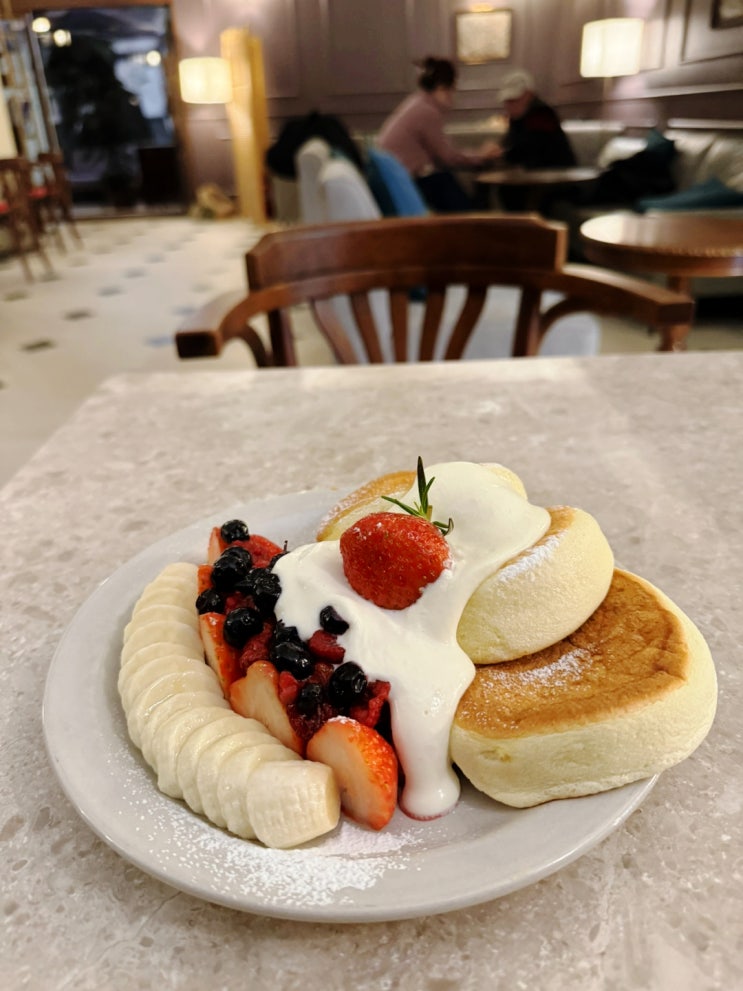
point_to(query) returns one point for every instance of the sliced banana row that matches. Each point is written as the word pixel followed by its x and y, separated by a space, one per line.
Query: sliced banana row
pixel 225 767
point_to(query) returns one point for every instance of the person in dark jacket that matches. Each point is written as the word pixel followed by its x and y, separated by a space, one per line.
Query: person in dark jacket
pixel 535 138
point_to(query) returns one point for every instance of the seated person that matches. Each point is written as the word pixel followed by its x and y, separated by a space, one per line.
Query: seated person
pixel 535 138
pixel 414 134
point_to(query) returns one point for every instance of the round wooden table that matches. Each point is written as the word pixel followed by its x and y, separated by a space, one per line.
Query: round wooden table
pixel 679 246
pixel 536 182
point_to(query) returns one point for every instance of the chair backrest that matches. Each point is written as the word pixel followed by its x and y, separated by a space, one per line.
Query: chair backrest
pixel 425 256
pixel 310 159
pixel 345 194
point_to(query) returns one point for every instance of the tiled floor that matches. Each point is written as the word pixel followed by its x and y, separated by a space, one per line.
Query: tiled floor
pixel 113 305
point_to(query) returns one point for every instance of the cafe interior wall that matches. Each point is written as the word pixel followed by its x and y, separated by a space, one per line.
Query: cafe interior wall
pixel 355 59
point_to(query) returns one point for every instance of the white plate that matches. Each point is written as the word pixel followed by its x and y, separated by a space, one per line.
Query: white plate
pixel 480 851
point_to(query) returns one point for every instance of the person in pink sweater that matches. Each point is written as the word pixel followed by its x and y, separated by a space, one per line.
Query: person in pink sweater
pixel 414 134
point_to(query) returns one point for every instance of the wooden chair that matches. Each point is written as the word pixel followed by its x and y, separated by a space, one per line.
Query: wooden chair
pixel 415 257
pixel 51 197
pixel 17 214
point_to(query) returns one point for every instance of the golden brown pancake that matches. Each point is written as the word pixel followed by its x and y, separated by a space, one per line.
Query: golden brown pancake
pixel 628 694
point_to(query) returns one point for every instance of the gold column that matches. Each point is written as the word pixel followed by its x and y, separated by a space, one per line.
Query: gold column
pixel 248 119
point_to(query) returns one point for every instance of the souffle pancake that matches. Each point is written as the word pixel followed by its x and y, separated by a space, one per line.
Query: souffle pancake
pixel 536 598
pixel 630 693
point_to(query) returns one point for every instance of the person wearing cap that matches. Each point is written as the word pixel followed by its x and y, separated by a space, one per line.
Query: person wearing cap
pixel 414 134
pixel 535 138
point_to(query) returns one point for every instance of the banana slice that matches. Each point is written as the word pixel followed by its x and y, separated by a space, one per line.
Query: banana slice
pixel 217 753
pixel 152 650
pixel 181 700
pixel 133 682
pixel 169 739
pixel 233 783
pixel 167 631
pixel 162 611
pixel 155 651
pixel 181 594
pixel 179 569
pixel 189 756
pixel 291 803
pixel 158 691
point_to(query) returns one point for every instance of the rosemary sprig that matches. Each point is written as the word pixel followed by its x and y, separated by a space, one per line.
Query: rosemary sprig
pixel 423 509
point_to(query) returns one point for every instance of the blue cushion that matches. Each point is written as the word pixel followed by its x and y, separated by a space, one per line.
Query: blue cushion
pixel 712 193
pixel 392 186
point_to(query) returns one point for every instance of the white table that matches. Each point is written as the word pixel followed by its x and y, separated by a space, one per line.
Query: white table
pixel 649 444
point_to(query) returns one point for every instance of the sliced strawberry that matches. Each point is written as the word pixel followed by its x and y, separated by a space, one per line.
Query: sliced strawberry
pixel 326 646
pixel 256 696
pixel 288 688
pixel 217 545
pixel 204 577
pixel 389 558
pixel 365 768
pixel 222 658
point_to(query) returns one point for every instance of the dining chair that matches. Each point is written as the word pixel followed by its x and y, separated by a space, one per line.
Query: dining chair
pixel 416 258
pixel 51 197
pixel 17 214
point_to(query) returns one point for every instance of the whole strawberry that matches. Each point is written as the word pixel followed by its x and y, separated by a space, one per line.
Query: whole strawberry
pixel 389 558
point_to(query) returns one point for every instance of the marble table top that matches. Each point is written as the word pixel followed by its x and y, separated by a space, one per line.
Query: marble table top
pixel 651 445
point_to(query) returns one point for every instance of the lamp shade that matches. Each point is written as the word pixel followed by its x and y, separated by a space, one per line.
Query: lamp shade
pixel 205 80
pixel 611 47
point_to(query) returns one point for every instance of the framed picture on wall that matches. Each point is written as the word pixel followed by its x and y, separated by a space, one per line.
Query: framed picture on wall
pixel 482 35
pixel 727 13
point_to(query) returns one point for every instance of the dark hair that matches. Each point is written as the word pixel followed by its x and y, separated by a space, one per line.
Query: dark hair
pixel 436 72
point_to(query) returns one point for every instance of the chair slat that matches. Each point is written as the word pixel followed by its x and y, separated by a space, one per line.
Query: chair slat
pixel 362 311
pixel 399 310
pixel 435 299
pixel 466 322
pixel 326 317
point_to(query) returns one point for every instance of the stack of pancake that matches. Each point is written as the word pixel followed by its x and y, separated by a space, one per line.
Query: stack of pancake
pixel 587 676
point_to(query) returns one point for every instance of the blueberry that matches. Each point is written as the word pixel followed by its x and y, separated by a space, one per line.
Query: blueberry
pixel 291 657
pixel 237 553
pixel 284 634
pixel 240 625
pixel 228 570
pixel 309 698
pixel 331 622
pixel 209 601
pixel 264 587
pixel 347 684
pixel 234 530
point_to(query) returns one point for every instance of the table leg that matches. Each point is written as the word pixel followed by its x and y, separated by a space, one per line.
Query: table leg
pixel 673 337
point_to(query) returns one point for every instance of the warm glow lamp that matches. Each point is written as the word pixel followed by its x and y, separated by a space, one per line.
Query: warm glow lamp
pixel 205 80
pixel 611 47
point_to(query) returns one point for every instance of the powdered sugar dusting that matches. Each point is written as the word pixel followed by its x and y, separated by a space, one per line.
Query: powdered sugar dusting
pixel 530 560
pixel 324 872
pixel 564 669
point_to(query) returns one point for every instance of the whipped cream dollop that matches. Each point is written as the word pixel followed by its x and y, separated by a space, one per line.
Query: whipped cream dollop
pixel 416 649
